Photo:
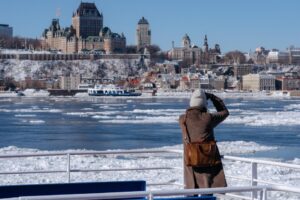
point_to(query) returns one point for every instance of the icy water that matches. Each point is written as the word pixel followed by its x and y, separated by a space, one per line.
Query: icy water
pixel 122 123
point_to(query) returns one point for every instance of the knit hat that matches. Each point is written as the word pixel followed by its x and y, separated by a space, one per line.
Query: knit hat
pixel 198 98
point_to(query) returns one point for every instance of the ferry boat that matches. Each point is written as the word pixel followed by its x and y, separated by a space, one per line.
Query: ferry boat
pixel 111 90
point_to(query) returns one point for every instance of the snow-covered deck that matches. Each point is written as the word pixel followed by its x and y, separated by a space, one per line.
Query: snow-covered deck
pixel 157 167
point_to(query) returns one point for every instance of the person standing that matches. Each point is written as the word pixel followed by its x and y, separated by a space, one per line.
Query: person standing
pixel 197 126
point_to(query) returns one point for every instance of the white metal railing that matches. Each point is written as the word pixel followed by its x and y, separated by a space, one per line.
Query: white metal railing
pixel 150 195
pixel 256 190
pixel 254 173
pixel 68 170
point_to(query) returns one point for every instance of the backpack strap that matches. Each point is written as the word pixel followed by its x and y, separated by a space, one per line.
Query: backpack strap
pixel 187 138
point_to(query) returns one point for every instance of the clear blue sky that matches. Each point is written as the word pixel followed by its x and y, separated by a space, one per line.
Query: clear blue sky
pixel 234 24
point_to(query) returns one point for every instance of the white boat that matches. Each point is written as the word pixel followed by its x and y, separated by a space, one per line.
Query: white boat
pixel 84 86
pixel 111 90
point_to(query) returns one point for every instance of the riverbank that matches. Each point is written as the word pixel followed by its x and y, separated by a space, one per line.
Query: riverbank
pixel 159 94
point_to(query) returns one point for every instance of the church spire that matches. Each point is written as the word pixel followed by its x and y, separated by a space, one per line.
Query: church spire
pixel 205 45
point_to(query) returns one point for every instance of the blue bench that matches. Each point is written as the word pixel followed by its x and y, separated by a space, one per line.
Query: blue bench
pixel 9 191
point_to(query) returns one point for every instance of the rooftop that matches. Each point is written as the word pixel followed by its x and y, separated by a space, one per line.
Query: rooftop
pixel 143 21
pixel 87 9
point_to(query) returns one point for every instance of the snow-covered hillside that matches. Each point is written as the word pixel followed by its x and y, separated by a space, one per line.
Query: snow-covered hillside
pixel 108 68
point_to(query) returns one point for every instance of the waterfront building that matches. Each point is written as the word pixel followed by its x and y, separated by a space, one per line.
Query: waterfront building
pixel 205 82
pixel 6 30
pixel 86 34
pixel 2 87
pixel 194 83
pixel 288 82
pixel 143 34
pixel 69 82
pixel 239 71
pixel 218 83
pixel 258 82
pixel 28 82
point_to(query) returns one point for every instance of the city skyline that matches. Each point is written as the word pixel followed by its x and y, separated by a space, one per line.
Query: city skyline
pixel 236 25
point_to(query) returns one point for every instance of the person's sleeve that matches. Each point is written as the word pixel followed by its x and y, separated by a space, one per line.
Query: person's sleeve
pixel 222 112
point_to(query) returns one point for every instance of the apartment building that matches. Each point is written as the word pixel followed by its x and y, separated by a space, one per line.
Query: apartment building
pixel 258 82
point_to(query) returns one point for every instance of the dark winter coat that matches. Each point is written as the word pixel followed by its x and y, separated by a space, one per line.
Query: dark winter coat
pixel 200 125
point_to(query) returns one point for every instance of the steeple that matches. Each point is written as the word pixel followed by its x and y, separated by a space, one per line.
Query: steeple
pixel 186 41
pixel 205 45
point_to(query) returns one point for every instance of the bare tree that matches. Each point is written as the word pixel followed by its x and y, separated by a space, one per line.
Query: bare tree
pixel 20 43
pixel 131 49
pixel 234 57
pixel 153 50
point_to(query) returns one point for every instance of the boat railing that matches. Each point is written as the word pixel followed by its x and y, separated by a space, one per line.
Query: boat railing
pixel 151 195
pixel 255 187
pixel 68 156
pixel 254 178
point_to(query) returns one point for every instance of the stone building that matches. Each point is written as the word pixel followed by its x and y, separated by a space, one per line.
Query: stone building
pixel 143 34
pixel 28 82
pixel 70 82
pixel 289 82
pixel 294 55
pixel 194 82
pixel 6 30
pixel 210 55
pixel 192 54
pixel 218 83
pixel 85 34
pixel 290 56
pixel 205 82
pixel 258 82
pixel 278 57
pixel 187 53
pixel 260 56
pixel 242 69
